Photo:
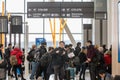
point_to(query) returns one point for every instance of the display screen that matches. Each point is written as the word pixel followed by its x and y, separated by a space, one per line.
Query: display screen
pixel 16 20
pixel 60 9
pixel 3 24
pixel 16 24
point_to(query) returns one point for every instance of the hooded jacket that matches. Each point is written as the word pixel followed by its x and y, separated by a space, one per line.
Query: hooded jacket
pixel 18 53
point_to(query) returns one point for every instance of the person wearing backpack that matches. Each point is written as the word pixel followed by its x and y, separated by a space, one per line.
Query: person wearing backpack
pixel 31 59
pixel 76 60
pixel 39 53
pixel 16 53
pixel 7 56
pixel 45 60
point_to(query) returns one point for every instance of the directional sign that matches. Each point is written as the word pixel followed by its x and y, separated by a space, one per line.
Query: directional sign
pixel 38 41
pixel 60 9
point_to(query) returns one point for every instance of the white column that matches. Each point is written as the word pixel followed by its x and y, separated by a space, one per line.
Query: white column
pixel 114 23
pixel 109 26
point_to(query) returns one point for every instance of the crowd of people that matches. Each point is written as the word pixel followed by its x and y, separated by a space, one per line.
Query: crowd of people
pixel 46 62
pixel 12 61
pixel 56 61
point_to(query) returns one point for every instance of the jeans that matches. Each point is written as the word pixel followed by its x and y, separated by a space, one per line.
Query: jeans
pixel 34 67
pixel 15 71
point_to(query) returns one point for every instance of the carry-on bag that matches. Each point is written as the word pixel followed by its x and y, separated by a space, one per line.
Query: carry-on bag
pixel 2 74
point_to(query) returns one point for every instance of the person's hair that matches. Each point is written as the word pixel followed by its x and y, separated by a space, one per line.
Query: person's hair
pixel 83 48
pixel 50 48
pixel 78 43
pixel 33 46
pixel 89 41
pixel 104 46
pixel 66 46
pixel 1 45
pixel 43 43
pixel 9 44
pixel 101 72
pixel 61 42
pixel 70 45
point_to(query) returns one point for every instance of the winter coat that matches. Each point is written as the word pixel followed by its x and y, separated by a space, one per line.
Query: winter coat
pixel 82 57
pixel 59 58
pixel 18 53
pixel 107 59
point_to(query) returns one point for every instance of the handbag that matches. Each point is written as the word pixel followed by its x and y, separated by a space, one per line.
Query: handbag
pixel 4 63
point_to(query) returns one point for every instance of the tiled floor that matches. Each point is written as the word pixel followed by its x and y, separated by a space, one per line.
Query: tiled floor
pixel 27 75
pixel 76 78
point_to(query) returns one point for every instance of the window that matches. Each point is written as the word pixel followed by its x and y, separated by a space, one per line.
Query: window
pixel 47 25
pixel 32 38
pixel 75 25
pixel 39 28
pixel 15 6
pixel 17 39
pixel 35 25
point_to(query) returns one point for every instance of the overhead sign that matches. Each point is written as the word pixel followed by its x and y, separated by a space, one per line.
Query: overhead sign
pixel 60 9
pixel 16 24
pixel 3 24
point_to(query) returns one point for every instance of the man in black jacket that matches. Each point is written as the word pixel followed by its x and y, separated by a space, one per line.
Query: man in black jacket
pixel 59 58
pixel 7 56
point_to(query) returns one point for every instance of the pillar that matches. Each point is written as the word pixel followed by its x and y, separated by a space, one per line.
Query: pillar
pixel 113 22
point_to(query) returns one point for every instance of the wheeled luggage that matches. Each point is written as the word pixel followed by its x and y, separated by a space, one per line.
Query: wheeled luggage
pixel 2 74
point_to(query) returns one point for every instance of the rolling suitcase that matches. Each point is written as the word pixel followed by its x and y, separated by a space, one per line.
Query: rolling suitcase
pixel 2 74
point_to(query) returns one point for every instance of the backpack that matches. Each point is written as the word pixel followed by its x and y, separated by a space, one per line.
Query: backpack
pixel 45 59
pixel 30 56
pixel 37 56
pixel 13 60
pixel 76 60
pixel 39 53
pixel 42 51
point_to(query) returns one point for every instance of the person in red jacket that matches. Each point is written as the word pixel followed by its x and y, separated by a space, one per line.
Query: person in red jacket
pixel 108 61
pixel 16 51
